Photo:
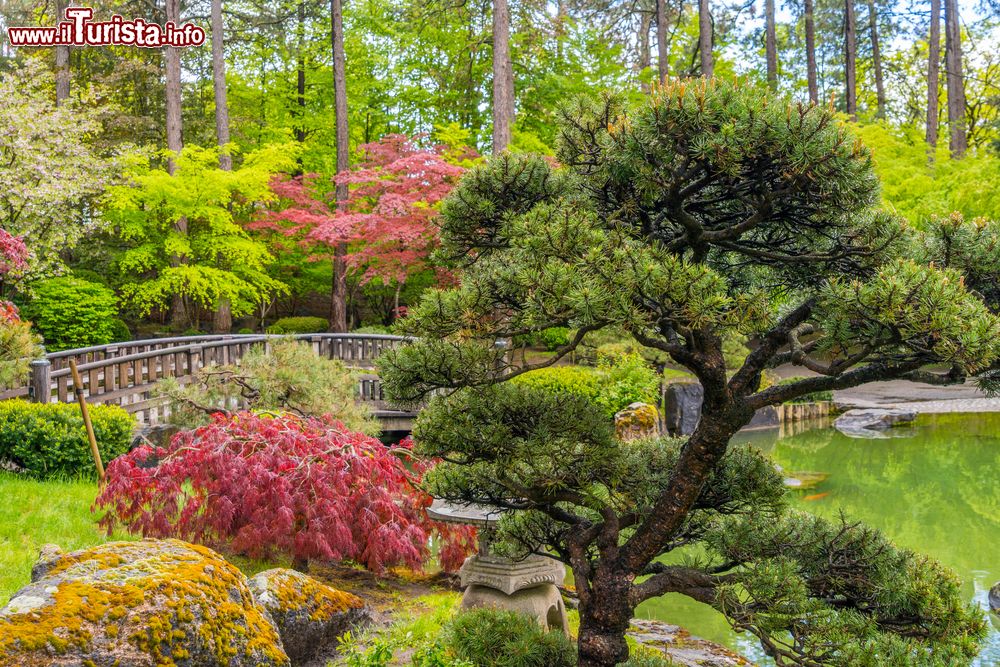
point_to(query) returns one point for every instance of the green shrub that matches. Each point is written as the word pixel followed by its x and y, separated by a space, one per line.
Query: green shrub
pixel 624 379
pixel 298 325
pixel 645 657
pixel 245 330
pixel 575 380
pixel 825 395
pixel 18 346
pixel 498 638
pixel 553 338
pixel 70 312
pixel 372 329
pixel 288 377
pixel 49 439
pixel 121 331
pixel 618 380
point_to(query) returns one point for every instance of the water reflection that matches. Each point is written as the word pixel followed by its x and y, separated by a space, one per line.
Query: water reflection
pixel 934 489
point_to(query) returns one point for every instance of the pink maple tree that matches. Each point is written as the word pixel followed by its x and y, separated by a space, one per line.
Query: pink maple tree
pixel 388 218
pixel 261 485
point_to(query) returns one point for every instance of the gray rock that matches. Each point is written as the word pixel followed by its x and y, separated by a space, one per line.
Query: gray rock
pixel 682 407
pixel 142 604
pixel 309 615
pixel 995 598
pixel 48 556
pixel 869 422
pixel 681 648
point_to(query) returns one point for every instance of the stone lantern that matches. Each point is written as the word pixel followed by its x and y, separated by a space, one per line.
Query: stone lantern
pixel 529 586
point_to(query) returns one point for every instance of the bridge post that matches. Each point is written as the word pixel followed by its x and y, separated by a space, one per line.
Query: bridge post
pixel 40 385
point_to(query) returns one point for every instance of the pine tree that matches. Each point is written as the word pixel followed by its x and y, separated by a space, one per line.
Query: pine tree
pixel 664 220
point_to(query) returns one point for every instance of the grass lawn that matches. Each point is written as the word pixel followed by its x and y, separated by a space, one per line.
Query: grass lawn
pixel 34 513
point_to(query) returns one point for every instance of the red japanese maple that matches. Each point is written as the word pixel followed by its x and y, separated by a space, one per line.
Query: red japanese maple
pixel 387 220
pixel 259 485
pixel 13 253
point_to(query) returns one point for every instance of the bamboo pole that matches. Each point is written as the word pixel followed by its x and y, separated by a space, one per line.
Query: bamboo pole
pixel 78 390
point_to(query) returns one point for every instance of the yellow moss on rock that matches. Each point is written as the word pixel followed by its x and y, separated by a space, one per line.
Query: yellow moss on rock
pixel 298 592
pixel 146 600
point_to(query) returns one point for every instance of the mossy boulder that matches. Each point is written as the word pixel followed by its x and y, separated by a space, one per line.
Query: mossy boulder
pixel 309 615
pixel 152 602
pixel 637 421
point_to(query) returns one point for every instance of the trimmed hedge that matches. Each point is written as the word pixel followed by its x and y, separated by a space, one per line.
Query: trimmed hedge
pixel 299 325
pixel 618 380
pixel 49 439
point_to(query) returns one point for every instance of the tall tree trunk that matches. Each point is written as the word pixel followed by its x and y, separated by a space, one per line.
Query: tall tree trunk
pixel 179 317
pixel 876 58
pixel 300 78
pixel 222 321
pixel 62 60
pixel 219 85
pixel 605 615
pixel 662 52
pixel 705 38
pixel 172 65
pixel 338 301
pixel 644 57
pixel 850 55
pixel 503 78
pixel 811 52
pixel 770 45
pixel 959 141
pixel 933 68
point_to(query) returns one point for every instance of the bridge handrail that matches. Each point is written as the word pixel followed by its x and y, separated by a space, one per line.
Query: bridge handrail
pixel 126 379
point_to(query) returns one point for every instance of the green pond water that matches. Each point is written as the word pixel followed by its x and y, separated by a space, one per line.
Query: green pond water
pixel 933 487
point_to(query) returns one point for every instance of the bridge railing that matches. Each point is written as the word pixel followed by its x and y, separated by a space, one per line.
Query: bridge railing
pixel 124 373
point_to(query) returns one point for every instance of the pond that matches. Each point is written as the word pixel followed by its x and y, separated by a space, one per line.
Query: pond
pixel 933 487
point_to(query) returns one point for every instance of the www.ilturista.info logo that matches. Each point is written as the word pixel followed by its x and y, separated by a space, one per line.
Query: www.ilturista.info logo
pixel 79 30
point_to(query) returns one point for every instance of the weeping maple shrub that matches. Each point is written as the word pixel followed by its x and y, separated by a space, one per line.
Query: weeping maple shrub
pixel 303 486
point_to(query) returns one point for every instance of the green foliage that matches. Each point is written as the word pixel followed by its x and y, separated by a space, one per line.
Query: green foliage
pixel 641 656
pixel 120 331
pixel 921 190
pixel 624 379
pixel 553 337
pixel 617 381
pixel 284 376
pixel 18 346
pixel 909 309
pixel 578 381
pixel 49 439
pixel 373 329
pixel 299 325
pixel 213 259
pixel 500 638
pixel 418 630
pixel 52 170
pixel 570 448
pixel 796 562
pixel 70 312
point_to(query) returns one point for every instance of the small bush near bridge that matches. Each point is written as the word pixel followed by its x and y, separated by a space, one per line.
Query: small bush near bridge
pixel 49 439
pixel 70 312
pixel 299 325
pixel 288 377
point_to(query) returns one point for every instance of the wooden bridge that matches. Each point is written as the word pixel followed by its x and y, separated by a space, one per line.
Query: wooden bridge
pixel 124 373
